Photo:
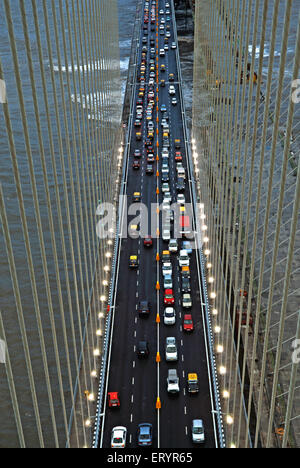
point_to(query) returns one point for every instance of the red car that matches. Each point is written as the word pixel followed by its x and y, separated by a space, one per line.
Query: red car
pixel 113 400
pixel 148 242
pixel 178 156
pixel 188 324
pixel 136 164
pixel 169 298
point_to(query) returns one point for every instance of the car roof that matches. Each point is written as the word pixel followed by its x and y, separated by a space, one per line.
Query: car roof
pixel 197 423
pixel 192 376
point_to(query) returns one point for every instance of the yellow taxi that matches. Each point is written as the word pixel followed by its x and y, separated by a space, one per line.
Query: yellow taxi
pixel 133 261
pixel 192 383
pixel 136 197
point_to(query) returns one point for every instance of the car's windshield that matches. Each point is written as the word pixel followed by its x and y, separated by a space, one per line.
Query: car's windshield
pixel 172 349
pixel 198 430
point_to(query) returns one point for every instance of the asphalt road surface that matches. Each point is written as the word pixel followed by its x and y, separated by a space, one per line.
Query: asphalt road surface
pixel 140 381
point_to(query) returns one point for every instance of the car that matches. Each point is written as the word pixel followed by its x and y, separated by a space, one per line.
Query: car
pixel 188 324
pixel 113 399
pixel 192 383
pixel 167 197
pixel 149 169
pixel 142 349
pixel 185 272
pixel 198 435
pixel 173 45
pixel 173 381
pixel 136 197
pixel 133 261
pixel 168 282
pixel 180 185
pixel 169 297
pixel 136 164
pixel 173 245
pixel 166 235
pixel 166 47
pixel 185 285
pixel 162 52
pixel 144 435
pixel 118 437
pixel 165 177
pixel 137 123
pixel 144 308
pixel 186 245
pixel 178 156
pixel 167 268
pixel 165 187
pixel 180 199
pixel 171 352
pixel 166 206
pixel 144 40
pixel 171 90
pixel 163 67
pixel 169 316
pixel 166 257
pixel 162 83
pixel 161 12
pixel 174 101
pixel 148 242
pixel 184 259
pixel 171 77
pixel 165 152
pixel 168 34
pixel 163 108
pixel 150 158
pixel 187 301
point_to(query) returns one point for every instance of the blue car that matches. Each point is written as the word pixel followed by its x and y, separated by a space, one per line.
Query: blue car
pixel 145 435
pixel 186 245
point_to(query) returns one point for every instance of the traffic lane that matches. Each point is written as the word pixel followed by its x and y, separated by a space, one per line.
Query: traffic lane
pixel 121 370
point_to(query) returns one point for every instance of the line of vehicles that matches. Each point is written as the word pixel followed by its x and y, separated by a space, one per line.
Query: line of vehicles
pixel 145 127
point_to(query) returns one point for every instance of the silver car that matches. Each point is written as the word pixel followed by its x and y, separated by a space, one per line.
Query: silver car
pixel 198 435
pixel 171 349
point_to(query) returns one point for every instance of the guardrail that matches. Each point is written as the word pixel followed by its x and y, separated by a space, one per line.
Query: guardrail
pixel 108 328
pixel 213 367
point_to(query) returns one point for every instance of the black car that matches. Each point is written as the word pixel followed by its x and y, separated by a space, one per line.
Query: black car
pixel 144 40
pixel 144 308
pixel 185 285
pixel 142 349
pixel 149 169
pixel 165 177
pixel 180 185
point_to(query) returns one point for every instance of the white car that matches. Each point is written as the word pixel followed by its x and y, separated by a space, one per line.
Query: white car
pixel 173 45
pixel 166 235
pixel 168 282
pixel 166 206
pixel 184 259
pixel 165 153
pixel 174 101
pixel 173 246
pixel 162 52
pixel 168 34
pixel 118 437
pixel 180 199
pixel 161 12
pixel 187 301
pixel 166 47
pixel 167 269
pixel 171 349
pixel 171 90
pixel 173 381
pixel 165 187
pixel 167 197
pixel 169 316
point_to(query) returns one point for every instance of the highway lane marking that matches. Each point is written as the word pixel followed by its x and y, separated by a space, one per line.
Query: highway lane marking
pixel 181 341
pixel 184 392
pixel 132 398
pixel 185 410
pixel 183 374
pixel 137 294
pixel 134 348
pixel 130 438
pixel 186 430
pixel 133 364
pixel 132 381
pixel 131 418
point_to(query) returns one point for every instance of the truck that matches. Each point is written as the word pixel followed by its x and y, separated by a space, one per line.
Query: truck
pixel 184 225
